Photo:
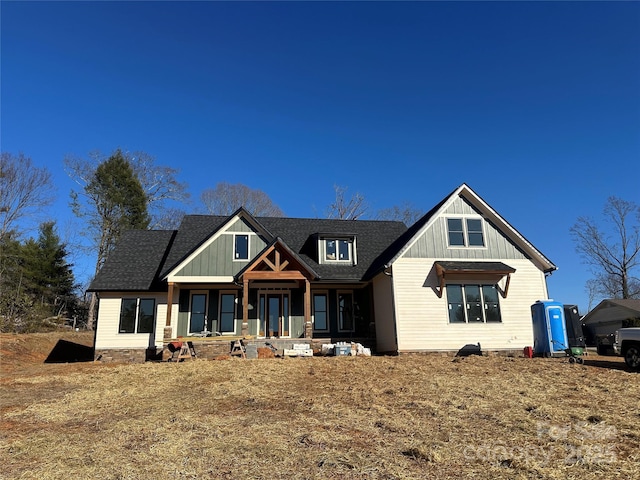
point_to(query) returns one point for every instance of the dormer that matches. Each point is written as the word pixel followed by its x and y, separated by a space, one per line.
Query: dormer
pixel 337 249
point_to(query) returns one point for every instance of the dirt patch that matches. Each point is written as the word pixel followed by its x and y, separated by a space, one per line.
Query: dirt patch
pixel 337 417
pixel 18 350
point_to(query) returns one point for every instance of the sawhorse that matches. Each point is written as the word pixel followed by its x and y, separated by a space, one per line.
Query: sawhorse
pixel 186 351
pixel 237 349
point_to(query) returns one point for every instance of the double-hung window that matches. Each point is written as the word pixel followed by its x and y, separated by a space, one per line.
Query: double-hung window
pixel 473 303
pixel 465 232
pixel 137 315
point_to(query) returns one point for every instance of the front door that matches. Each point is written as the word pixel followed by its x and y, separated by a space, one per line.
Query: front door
pixel 274 315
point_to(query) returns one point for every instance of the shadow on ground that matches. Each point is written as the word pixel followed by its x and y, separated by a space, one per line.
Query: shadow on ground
pixel 608 364
pixel 69 352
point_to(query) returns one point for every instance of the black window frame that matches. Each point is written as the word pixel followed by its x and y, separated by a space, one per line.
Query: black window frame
pixel 325 311
pixel 224 312
pixel 344 310
pixel 460 309
pixel 467 235
pixel 236 252
pixel 133 317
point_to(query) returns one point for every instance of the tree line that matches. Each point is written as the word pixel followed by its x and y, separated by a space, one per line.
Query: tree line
pixel 127 190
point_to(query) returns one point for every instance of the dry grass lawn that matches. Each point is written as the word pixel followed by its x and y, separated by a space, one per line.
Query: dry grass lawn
pixel 337 417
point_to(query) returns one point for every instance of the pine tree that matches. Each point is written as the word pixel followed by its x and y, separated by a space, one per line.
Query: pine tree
pixel 37 282
pixel 115 202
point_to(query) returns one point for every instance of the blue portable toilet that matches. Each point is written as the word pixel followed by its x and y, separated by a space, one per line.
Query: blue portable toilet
pixel 549 328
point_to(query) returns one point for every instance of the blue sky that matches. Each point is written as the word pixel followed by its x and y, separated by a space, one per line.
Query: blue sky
pixel 536 106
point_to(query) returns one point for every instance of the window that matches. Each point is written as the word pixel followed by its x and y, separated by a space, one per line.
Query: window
pixel 465 232
pixel 227 313
pixel 473 304
pixel 345 312
pixel 456 233
pixel 198 317
pixel 337 250
pixel 146 315
pixel 137 315
pixel 474 232
pixel 241 247
pixel 320 317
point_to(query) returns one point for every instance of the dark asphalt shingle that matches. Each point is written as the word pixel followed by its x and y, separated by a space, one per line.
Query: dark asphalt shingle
pixel 134 263
pixel 142 258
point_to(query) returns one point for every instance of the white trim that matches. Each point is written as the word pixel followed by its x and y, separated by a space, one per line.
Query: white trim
pixel 259 230
pixel 235 310
pixel 196 279
pixel 489 214
pixel 322 250
pixel 465 231
pixel 243 234
pixel 206 309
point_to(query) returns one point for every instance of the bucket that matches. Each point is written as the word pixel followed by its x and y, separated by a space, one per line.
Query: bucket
pixel 528 352
pixel 342 350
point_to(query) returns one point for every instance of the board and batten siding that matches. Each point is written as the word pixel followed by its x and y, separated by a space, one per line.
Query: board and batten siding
pixel 434 242
pixel 217 258
pixel 384 317
pixel 422 317
pixel 107 334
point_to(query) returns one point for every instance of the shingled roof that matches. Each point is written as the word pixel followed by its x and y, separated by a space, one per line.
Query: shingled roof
pixel 372 238
pixel 142 258
pixel 135 262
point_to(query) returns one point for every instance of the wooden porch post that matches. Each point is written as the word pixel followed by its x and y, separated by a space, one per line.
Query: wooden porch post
pixel 169 304
pixel 308 328
pixel 168 331
pixel 245 307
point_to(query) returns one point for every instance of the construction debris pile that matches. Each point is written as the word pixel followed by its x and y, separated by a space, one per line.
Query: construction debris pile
pixel 345 348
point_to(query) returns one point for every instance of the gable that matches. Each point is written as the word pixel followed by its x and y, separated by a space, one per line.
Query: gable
pixel 433 243
pixel 507 243
pixel 277 262
pixel 214 257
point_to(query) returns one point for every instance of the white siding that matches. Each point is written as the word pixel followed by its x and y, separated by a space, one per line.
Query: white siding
pixel 383 307
pixel 422 316
pixel 107 335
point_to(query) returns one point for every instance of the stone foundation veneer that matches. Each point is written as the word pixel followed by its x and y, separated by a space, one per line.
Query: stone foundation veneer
pixel 126 355
pixel 207 351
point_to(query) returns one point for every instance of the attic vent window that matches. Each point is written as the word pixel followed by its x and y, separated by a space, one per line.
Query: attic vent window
pixel 241 247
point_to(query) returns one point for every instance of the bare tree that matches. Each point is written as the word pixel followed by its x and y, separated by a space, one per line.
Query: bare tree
pixel 406 213
pixel 226 198
pixel 344 208
pixel 158 182
pixel 169 219
pixel 24 190
pixel 613 253
pixel 111 202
